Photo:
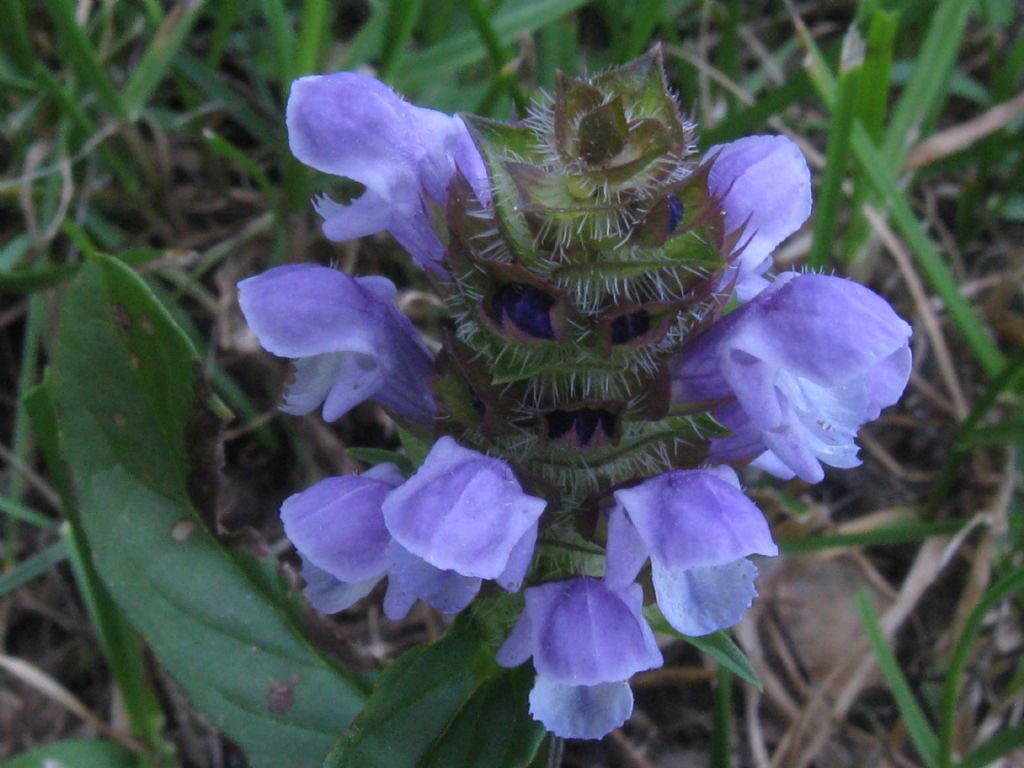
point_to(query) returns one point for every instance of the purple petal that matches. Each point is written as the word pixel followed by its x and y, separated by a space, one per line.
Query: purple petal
pixel 627 551
pixel 695 518
pixel 766 189
pixel 699 601
pixel 366 215
pixel 511 579
pixel 580 711
pixel 331 595
pixel 446 591
pixel 351 340
pixel 337 524
pixel 462 511
pixel 518 646
pixel 808 361
pixel 585 633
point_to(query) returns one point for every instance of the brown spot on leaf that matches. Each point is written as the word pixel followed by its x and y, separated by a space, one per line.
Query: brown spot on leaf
pixel 147 325
pixel 281 695
pixel 122 318
pixel 118 420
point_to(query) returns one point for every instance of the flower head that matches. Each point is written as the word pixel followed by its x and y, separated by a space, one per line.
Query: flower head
pixel 586 258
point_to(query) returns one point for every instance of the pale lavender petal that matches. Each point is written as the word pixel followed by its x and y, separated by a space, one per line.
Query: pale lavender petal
pixel 580 711
pixel 351 341
pixel 330 595
pixel 357 377
pixel 301 310
pixel 699 601
pixel 626 552
pixel 471 165
pixel 314 378
pixel 366 215
pixel 695 518
pixel 518 646
pixel 397 603
pixel 511 579
pixel 765 187
pixel 585 633
pixel 337 525
pixel 348 124
pixel 446 591
pixel 462 511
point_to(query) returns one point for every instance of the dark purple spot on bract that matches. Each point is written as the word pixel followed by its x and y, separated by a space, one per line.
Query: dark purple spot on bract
pixel 583 423
pixel 527 308
pixel 478 404
pixel 625 328
pixel 675 213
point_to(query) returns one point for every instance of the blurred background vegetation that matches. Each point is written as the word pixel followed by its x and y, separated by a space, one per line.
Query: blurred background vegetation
pixel 889 634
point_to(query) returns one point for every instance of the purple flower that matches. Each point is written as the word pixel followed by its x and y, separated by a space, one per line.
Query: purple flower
pixel 352 125
pixel 765 187
pixel 338 528
pixel 698 528
pixel 796 372
pixel 349 339
pixel 465 512
pixel 586 640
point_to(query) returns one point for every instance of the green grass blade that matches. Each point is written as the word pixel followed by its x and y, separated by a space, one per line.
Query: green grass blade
pixel 929 80
pixel 926 255
pixel 837 152
pixel 497 54
pixel 1004 380
pixel 928 259
pixel 284 39
pixel 314 27
pixel 873 95
pixel 399 23
pixel 156 61
pixel 211 83
pixel 921 732
pixel 872 103
pixel 25 514
pixel 648 15
pixel 439 62
pixel 891 535
pixel 1000 744
pixel 31 567
pixel 78 52
pixel 225 14
pixel 1002 589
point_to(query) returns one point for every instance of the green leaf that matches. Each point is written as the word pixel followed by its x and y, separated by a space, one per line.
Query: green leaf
pixel 138 438
pixel 445 704
pixel 921 732
pixel 82 753
pixel 494 728
pixel 718 645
